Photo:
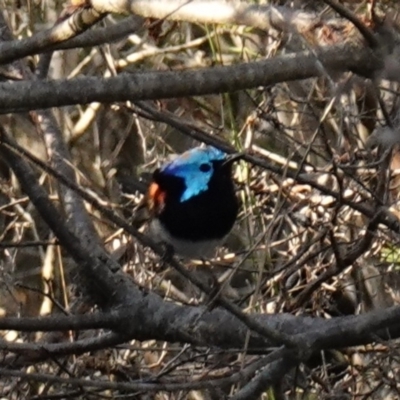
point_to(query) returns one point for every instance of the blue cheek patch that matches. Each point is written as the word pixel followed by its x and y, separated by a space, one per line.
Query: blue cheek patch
pixel 195 180
pixel 187 167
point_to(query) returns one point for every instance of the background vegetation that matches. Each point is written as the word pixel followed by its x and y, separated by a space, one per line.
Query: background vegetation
pixel 94 95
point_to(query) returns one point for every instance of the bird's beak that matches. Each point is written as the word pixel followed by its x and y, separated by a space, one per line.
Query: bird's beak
pixel 231 158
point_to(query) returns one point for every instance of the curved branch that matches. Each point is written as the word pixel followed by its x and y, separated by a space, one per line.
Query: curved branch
pixel 152 318
pixel 363 29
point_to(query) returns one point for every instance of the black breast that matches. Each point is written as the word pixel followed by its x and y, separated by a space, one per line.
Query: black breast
pixel 209 215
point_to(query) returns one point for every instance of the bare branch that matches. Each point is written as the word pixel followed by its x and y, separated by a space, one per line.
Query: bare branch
pixel 98 36
pixel 269 376
pixel 364 30
pixel 232 12
pixel 36 352
pixel 76 23
pixel 19 96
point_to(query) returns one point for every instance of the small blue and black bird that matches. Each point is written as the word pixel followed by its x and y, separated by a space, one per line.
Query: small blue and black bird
pixel 192 201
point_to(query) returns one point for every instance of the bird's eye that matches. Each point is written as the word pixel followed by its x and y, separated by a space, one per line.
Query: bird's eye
pixel 205 167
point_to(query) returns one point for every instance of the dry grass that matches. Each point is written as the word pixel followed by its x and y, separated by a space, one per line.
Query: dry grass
pixel 307 240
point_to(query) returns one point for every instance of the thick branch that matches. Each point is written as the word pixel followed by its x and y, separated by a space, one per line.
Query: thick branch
pixel 19 96
pixel 152 318
pixel 224 12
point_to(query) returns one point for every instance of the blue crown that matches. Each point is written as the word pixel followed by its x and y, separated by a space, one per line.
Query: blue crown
pixel 195 167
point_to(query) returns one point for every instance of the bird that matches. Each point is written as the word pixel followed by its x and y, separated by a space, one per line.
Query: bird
pixel 192 202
